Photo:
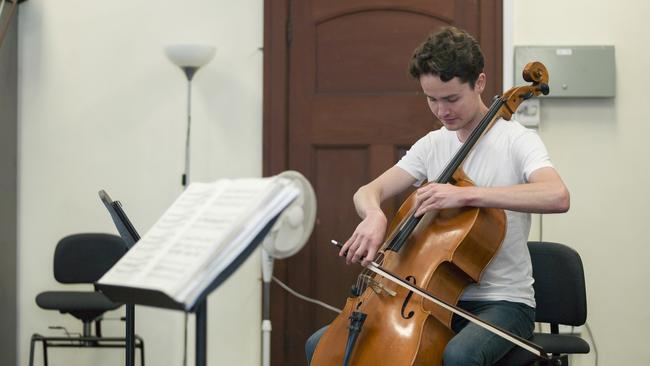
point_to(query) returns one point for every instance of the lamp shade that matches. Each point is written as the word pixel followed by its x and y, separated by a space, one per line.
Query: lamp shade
pixel 190 55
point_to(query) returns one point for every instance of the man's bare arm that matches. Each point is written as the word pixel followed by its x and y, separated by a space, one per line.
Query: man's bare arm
pixel 369 234
pixel 544 193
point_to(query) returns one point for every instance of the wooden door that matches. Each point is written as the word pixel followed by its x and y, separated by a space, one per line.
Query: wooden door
pixel 340 108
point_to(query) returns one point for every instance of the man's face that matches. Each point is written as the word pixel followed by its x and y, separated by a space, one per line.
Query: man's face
pixel 454 103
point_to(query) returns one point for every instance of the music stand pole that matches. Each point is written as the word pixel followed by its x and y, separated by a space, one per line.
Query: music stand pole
pixel 201 333
pixel 130 335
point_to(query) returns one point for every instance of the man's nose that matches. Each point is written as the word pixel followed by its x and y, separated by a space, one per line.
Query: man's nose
pixel 443 110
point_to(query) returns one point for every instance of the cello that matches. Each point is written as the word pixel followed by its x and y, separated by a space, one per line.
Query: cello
pixel 400 310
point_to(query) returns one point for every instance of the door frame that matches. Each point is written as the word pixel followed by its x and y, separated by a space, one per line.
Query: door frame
pixel 275 87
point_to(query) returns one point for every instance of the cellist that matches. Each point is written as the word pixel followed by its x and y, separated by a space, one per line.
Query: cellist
pixel 511 169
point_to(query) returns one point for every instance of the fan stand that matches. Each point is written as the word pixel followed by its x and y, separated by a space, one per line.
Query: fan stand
pixel 267 274
pixel 289 234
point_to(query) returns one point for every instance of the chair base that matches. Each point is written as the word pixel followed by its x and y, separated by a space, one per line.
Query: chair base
pixel 562 360
pixel 81 342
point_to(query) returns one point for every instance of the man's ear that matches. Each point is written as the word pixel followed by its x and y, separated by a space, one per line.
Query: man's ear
pixel 479 85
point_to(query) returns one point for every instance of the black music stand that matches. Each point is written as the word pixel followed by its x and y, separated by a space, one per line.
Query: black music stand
pixel 131 296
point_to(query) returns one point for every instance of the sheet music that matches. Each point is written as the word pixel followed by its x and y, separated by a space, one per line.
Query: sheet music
pixel 201 230
pixel 253 225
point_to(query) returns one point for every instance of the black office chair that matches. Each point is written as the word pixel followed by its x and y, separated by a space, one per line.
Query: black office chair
pixel 83 258
pixel 560 297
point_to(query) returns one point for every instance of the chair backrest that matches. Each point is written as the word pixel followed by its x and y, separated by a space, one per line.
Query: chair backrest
pixel 559 284
pixel 84 258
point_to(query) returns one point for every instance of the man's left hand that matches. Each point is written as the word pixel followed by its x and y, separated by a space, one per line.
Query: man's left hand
pixel 435 196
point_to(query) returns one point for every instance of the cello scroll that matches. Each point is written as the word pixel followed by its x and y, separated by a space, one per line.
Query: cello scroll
pixel 535 73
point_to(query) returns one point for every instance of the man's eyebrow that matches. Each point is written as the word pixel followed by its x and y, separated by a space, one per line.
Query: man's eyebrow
pixel 447 97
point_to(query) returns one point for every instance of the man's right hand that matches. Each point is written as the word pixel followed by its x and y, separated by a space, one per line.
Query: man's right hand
pixel 369 234
pixel 366 239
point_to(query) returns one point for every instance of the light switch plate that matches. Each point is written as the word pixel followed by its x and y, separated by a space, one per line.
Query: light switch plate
pixel 528 113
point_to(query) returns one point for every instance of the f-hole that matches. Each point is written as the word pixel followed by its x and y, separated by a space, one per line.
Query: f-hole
pixel 411 279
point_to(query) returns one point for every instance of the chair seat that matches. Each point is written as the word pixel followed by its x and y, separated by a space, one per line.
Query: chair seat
pixel 551 343
pixel 83 305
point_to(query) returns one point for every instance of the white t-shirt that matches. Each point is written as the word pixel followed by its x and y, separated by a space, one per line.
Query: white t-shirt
pixel 505 156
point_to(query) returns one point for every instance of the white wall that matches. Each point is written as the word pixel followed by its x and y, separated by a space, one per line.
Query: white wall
pixel 101 107
pixel 599 146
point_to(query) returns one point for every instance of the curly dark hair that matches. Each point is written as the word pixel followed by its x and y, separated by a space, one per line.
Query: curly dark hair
pixel 448 53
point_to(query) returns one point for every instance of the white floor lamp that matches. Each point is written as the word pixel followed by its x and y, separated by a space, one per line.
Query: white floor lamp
pixel 189 57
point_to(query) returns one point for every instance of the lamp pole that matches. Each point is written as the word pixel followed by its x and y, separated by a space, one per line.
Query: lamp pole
pixel 189 58
pixel 189 73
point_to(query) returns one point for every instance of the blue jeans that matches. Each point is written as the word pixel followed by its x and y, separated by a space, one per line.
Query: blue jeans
pixel 473 345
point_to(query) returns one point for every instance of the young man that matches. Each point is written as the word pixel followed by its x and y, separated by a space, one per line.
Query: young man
pixel 511 170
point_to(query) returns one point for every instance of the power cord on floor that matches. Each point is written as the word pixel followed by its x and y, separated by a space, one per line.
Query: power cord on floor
pixel 305 298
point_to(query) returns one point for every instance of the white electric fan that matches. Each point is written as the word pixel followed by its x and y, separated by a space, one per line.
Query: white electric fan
pixel 289 234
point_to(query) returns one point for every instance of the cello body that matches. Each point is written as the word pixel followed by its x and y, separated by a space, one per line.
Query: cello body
pixel 453 247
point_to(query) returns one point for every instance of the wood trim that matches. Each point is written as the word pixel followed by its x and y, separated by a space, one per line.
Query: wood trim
pixel 491 32
pixel 275 89
pixel 275 146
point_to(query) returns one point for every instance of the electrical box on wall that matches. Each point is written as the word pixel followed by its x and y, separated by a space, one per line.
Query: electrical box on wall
pixel 574 71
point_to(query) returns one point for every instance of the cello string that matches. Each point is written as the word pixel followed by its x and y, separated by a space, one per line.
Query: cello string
pixel 359 283
pixel 367 274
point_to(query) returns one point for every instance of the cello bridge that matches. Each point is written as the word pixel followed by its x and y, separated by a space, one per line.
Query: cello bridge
pixel 377 286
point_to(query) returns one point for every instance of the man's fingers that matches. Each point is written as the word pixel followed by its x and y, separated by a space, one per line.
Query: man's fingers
pixel 358 249
pixel 369 257
pixel 423 209
pixel 346 246
pixel 354 248
pixel 350 253
pixel 358 252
